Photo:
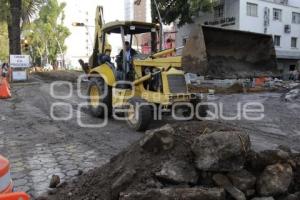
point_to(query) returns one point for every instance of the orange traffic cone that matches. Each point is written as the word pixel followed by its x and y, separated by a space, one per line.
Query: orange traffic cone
pixel 4 88
pixel 14 196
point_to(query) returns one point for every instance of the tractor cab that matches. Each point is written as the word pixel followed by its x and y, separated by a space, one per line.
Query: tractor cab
pixel 130 33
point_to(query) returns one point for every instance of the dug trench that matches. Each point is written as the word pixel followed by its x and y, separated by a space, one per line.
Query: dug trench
pixel 193 160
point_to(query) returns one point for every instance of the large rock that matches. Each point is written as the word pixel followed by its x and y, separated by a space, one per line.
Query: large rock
pixel 158 140
pixel 55 180
pixel 295 196
pixel 243 180
pixel 221 151
pixel 178 172
pixel 263 198
pixel 268 157
pixel 176 193
pixel 275 180
pixel 223 181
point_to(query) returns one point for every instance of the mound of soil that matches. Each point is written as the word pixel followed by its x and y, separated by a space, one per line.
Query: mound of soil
pixel 97 184
pixel 146 173
pixel 70 76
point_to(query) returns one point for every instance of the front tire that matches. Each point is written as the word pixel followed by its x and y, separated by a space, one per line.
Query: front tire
pixel 139 115
pixel 96 90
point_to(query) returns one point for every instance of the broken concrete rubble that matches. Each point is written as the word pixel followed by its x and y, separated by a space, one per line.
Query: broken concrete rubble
pixel 295 196
pixel 228 153
pixel 243 180
pixel 146 173
pixel 55 180
pixel 178 172
pixel 275 180
pixel 259 160
pixel 223 181
pixel 292 95
pixel 158 140
pixel 176 193
pixel 263 198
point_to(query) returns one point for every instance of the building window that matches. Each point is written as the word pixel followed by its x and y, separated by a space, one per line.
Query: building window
pixel 277 13
pixel 252 9
pixel 296 18
pixel 277 40
pixel 294 42
pixel 219 11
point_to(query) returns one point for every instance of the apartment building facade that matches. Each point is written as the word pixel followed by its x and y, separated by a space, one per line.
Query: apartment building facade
pixel 279 18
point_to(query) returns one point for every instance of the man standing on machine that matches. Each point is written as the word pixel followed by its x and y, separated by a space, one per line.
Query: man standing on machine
pixel 129 54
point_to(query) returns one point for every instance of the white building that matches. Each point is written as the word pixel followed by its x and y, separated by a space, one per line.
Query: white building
pixel 81 41
pixel 137 12
pixel 280 18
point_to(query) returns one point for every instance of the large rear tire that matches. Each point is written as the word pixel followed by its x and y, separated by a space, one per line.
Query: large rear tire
pixel 140 115
pixel 96 97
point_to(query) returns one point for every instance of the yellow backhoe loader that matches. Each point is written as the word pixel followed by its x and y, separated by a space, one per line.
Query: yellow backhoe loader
pixel 146 86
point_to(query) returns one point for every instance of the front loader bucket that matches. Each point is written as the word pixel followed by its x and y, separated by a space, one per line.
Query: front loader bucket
pixel 223 53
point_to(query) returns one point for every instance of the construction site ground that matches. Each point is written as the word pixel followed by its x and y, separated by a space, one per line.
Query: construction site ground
pixel 39 146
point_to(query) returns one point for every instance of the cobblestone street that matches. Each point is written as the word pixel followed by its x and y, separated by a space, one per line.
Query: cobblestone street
pixel 39 147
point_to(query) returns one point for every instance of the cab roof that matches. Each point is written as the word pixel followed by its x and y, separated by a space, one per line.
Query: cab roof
pixel 130 27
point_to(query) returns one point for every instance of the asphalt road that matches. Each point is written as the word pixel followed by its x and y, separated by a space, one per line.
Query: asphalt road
pixel 39 146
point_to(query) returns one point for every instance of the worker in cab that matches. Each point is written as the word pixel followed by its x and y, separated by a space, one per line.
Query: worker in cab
pixel 129 54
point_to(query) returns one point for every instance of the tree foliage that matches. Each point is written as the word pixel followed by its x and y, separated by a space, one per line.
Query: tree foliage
pixel 16 13
pixel 46 35
pixel 3 42
pixel 181 10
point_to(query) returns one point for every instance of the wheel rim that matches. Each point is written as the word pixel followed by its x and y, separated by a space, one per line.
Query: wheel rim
pixel 94 96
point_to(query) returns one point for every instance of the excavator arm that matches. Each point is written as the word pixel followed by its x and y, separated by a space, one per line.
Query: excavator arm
pixel 99 39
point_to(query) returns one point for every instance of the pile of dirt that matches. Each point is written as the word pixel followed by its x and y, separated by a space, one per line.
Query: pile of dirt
pixel 68 75
pixel 193 160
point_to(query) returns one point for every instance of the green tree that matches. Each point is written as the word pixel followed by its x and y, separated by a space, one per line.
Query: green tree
pixel 46 35
pixel 181 10
pixel 15 13
pixel 3 41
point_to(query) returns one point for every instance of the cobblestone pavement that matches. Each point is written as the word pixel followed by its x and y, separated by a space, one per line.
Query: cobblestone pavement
pixel 38 147
pixel 280 125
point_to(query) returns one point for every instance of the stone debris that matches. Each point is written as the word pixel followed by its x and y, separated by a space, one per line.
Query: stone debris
pixel 263 198
pixel 223 181
pixel 292 95
pixel 159 139
pixel 176 193
pixel 268 157
pixel 175 163
pixel 55 180
pixel 275 180
pixel 228 152
pixel 178 172
pixel 243 180
pixel 122 182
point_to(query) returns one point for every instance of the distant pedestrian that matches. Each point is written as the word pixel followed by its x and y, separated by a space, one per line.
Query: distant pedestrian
pixel 4 69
